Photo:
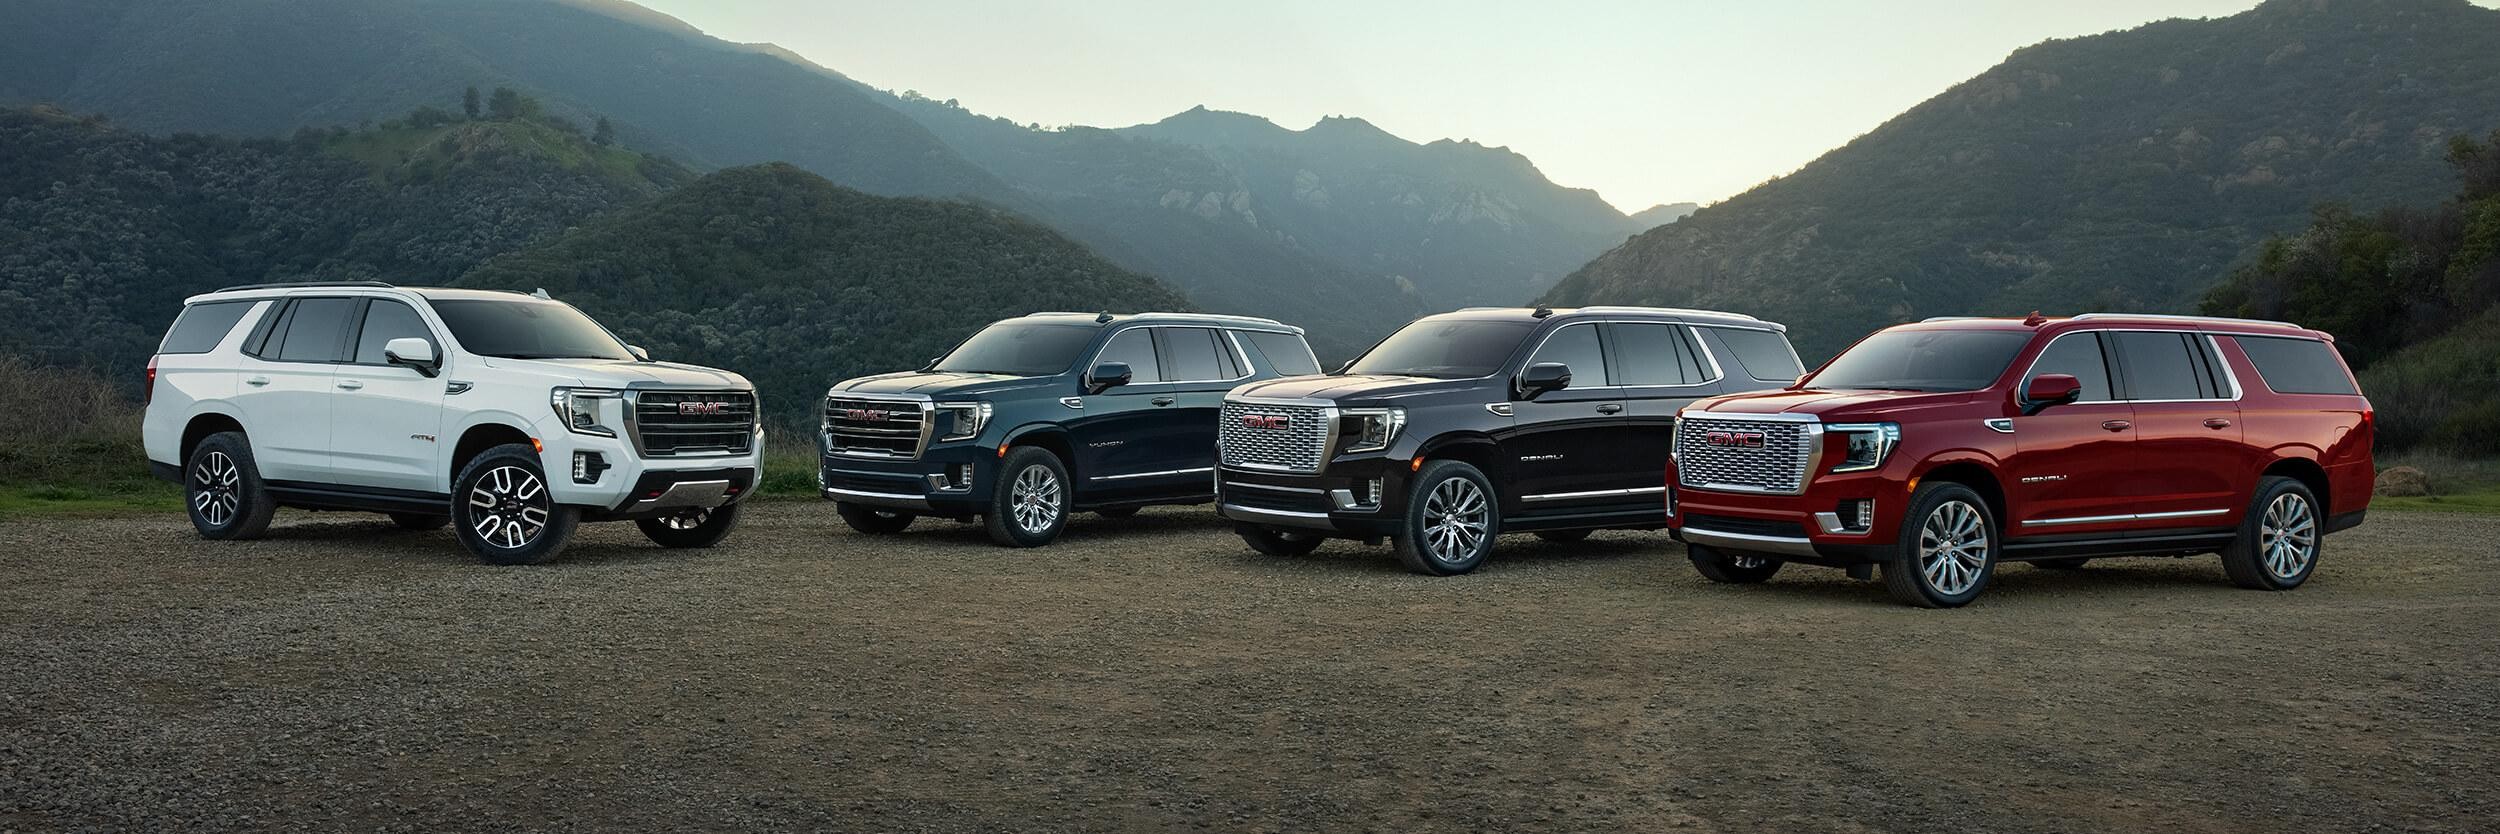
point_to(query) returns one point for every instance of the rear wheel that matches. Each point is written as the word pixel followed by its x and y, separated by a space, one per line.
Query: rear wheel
pixel 2279 540
pixel 1275 542
pixel 221 485
pixel 691 528
pixel 503 512
pixel 1451 519
pixel 419 521
pixel 1731 567
pixel 1030 505
pixel 1947 551
pixel 1563 536
pixel 875 521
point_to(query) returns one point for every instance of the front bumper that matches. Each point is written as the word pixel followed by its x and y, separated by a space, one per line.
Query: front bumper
pixel 944 480
pixel 1821 526
pixel 616 482
pixel 1359 498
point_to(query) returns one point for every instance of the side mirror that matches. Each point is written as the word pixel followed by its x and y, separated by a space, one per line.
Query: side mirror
pixel 1543 377
pixel 416 354
pixel 2050 389
pixel 1107 376
pixel 640 355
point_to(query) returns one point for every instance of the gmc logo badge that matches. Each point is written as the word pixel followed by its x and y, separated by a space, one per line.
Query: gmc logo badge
pixel 1270 422
pixel 694 409
pixel 1737 439
pixel 867 415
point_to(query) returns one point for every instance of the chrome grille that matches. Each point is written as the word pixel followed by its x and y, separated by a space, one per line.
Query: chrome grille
pixel 694 422
pixel 876 428
pixel 1777 466
pixel 1300 444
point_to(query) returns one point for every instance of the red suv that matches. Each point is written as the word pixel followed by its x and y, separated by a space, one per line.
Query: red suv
pixel 1939 449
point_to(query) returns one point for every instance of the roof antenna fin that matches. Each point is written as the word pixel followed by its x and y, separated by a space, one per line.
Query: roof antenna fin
pixel 1105 318
pixel 2035 319
pixel 1542 311
pixel 541 293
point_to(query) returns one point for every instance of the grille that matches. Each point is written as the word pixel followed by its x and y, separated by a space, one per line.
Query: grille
pixel 1777 466
pixel 720 422
pixel 875 428
pixel 1746 526
pixel 1300 445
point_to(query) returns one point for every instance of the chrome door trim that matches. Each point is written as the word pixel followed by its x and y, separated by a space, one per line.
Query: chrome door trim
pixel 1595 493
pixel 2104 519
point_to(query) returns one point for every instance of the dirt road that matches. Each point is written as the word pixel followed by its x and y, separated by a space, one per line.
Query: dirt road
pixel 1153 674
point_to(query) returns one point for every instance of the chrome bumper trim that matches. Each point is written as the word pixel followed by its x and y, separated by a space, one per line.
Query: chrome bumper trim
pixel 1748 542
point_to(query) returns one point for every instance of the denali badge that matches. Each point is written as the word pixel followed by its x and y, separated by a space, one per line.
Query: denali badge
pixel 1738 439
pixel 1272 422
pixel 866 415
pixel 691 409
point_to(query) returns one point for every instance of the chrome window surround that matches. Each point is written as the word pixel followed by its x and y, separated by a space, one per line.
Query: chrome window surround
pixel 2229 374
pixel 1240 357
pixel 1717 372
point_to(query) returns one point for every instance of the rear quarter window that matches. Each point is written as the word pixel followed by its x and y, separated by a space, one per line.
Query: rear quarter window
pixel 202 326
pixel 1287 353
pixel 2297 366
pixel 1763 354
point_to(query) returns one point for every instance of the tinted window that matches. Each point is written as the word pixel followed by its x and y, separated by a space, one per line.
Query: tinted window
pixel 316 331
pixel 1192 355
pixel 2077 355
pixel 1021 349
pixel 387 320
pixel 1287 353
pixel 1765 355
pixel 522 328
pixel 1924 360
pixel 2297 366
pixel 1576 345
pixel 1135 346
pixel 202 326
pixel 1445 349
pixel 1653 354
pixel 2159 366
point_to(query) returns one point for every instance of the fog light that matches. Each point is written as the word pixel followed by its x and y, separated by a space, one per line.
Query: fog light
pixel 1866 514
pixel 587 467
pixel 963 476
pixel 1373 491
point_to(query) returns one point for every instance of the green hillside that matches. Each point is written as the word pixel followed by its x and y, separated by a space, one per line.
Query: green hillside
pixel 798 283
pixel 2123 171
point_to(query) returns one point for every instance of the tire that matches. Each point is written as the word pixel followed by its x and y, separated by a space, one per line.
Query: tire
pixel 2280 539
pixel 221 489
pixel 1962 523
pixel 419 522
pixel 503 512
pixel 1275 542
pixel 1029 506
pixel 874 521
pixel 1117 512
pixel 2070 563
pixel 691 529
pixel 1730 567
pixel 1564 536
pixel 1452 517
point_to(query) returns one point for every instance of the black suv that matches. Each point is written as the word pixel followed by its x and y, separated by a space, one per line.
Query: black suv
pixel 1466 425
pixel 1036 417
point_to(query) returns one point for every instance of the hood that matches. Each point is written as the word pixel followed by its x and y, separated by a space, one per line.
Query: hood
pixel 1351 386
pixel 620 373
pixel 1831 405
pixel 940 383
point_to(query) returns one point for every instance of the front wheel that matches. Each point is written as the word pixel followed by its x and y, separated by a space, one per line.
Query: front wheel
pixel 691 528
pixel 503 511
pixel 1451 519
pixel 2279 539
pixel 1732 568
pixel 1274 542
pixel 1948 548
pixel 1030 505
pixel 222 487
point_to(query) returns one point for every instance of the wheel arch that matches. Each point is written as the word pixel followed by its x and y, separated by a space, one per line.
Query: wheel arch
pixel 200 427
pixel 1972 471
pixel 1046 436
pixel 2310 474
pixel 478 438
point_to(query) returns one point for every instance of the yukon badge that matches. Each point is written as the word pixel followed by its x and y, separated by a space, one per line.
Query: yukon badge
pixel 1270 422
pixel 1735 439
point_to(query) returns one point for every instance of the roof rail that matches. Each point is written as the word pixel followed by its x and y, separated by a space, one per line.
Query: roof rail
pixel 1216 316
pixel 288 285
pixel 2167 317
pixel 1674 310
pixel 1952 318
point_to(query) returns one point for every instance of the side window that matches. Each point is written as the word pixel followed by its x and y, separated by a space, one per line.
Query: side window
pixel 1189 355
pixel 386 320
pixel 1652 354
pixel 1135 346
pixel 2297 366
pixel 316 331
pixel 1765 355
pixel 2159 366
pixel 2077 355
pixel 1287 353
pixel 1576 345
pixel 201 326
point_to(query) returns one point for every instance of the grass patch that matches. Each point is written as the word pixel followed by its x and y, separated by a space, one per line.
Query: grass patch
pixel 43 501
pixel 2485 502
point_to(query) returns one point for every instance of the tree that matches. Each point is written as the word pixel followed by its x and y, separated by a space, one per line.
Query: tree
pixel 506 104
pixel 469 103
pixel 603 134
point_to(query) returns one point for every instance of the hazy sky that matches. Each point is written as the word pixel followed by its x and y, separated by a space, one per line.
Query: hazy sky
pixel 1646 101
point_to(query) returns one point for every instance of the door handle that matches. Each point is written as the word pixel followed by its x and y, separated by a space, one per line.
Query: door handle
pixel 350 385
pixel 1610 408
pixel 257 381
pixel 2116 425
pixel 2217 423
pixel 1162 401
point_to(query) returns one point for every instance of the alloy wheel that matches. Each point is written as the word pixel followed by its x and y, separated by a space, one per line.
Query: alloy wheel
pixel 1952 548
pixel 1455 518
pixel 216 489
pixel 508 507
pixel 1035 499
pixel 2289 536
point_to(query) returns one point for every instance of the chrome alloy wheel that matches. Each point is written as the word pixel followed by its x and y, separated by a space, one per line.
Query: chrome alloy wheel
pixel 2289 536
pixel 1952 548
pixel 1455 519
pixel 1035 499
pixel 216 489
pixel 508 507
pixel 687 520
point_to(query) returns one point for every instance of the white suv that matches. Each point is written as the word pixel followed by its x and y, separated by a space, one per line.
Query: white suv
pixel 509 416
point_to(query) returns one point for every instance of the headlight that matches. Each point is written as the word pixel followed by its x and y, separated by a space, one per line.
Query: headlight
pixel 1371 429
pixel 585 410
pixel 963 420
pixel 1867 444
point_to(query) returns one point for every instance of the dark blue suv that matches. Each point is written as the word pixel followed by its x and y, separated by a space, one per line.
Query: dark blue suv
pixel 1037 417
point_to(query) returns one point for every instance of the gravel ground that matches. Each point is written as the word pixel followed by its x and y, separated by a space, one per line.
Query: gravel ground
pixel 1152 674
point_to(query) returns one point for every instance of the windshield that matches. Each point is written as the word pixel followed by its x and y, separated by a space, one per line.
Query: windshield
pixel 521 328
pixel 1019 350
pixel 1445 349
pixel 1923 360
